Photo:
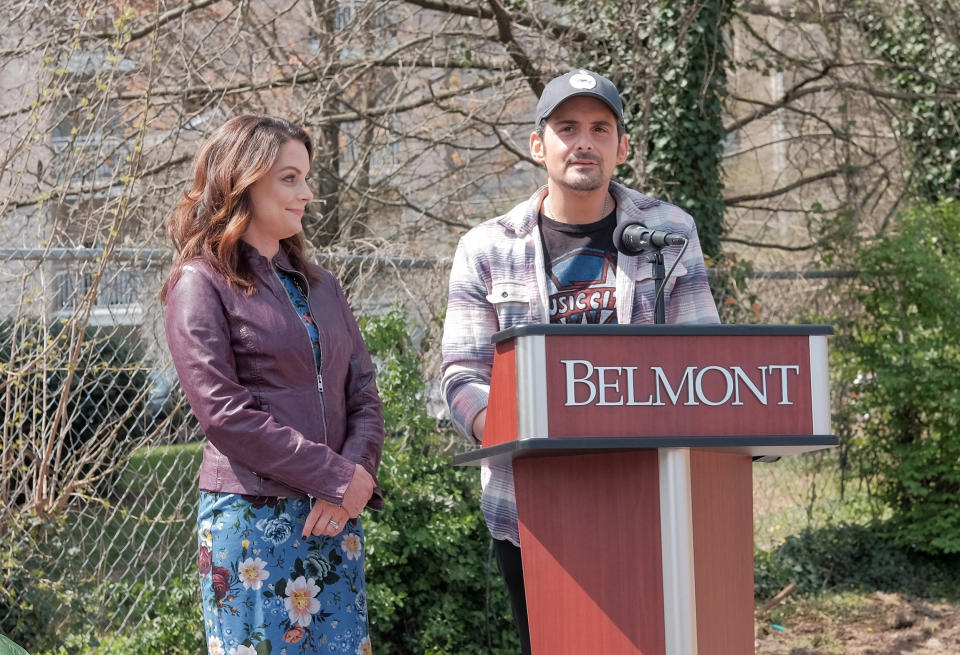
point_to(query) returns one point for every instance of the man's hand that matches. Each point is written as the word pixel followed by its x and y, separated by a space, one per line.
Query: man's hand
pixel 325 520
pixel 478 424
pixel 358 492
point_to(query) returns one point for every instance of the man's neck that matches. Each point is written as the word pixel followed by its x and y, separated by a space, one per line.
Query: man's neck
pixel 577 207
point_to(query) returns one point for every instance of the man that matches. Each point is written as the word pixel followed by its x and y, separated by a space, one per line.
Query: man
pixel 552 259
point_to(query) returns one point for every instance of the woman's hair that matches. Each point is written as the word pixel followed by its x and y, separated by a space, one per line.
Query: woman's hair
pixel 217 209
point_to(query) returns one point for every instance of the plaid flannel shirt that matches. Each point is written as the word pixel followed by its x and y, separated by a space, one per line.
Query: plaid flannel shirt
pixel 498 281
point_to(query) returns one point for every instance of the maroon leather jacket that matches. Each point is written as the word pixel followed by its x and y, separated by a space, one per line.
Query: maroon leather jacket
pixel 247 368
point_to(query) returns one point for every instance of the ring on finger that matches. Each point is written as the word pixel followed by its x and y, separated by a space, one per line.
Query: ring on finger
pixel 335 525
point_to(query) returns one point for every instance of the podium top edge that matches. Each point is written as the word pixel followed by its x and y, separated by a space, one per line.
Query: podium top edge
pixel 556 329
pixel 547 446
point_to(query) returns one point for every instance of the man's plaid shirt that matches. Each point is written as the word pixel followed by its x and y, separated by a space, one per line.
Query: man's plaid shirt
pixel 498 281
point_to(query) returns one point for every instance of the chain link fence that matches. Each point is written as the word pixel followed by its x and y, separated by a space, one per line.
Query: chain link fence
pixel 100 452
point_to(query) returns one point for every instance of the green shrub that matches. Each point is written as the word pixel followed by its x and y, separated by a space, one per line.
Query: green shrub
pixel 901 358
pixel 167 619
pixel 431 583
pixel 44 593
pixel 854 557
pixel 172 623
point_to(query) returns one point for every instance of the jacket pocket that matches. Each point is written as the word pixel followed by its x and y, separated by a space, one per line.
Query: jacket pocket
pixel 646 288
pixel 511 301
pixel 507 292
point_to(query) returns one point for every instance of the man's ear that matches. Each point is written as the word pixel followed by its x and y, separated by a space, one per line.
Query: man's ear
pixel 622 149
pixel 536 148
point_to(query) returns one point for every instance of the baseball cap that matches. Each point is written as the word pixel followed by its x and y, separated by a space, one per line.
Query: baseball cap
pixel 577 83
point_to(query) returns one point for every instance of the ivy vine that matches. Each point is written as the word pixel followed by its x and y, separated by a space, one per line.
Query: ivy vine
pixel 924 64
pixel 669 61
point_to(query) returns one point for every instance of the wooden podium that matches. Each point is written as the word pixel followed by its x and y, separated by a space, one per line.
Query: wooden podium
pixel 632 450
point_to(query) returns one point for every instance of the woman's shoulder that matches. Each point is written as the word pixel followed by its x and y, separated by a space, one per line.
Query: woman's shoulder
pixel 197 270
pixel 195 276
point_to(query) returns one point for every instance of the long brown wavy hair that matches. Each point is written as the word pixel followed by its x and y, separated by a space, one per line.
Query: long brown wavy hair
pixel 216 210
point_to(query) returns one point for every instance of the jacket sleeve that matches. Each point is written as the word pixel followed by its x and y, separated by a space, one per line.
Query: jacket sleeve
pixel 199 338
pixel 363 443
pixel 691 300
pixel 467 352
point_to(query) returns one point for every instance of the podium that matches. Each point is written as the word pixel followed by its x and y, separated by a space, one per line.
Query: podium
pixel 632 449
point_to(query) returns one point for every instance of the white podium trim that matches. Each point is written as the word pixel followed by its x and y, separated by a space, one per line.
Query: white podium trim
pixel 819 384
pixel 676 535
pixel 531 362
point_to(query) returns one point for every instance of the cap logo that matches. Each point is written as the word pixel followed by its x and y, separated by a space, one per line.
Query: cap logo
pixel 583 80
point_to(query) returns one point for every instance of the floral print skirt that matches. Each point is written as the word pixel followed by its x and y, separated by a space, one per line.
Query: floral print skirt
pixel 267 591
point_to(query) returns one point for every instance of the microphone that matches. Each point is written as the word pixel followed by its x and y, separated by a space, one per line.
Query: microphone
pixel 633 238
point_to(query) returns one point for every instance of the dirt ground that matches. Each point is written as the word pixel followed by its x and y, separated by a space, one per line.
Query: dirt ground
pixel 878 624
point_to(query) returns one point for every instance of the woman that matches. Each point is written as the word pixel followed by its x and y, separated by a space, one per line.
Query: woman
pixel 275 370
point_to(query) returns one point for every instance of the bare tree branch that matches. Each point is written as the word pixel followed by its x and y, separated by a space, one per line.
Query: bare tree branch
pixel 513 48
pixel 771 246
pixel 741 199
pixel 794 93
pixel 556 30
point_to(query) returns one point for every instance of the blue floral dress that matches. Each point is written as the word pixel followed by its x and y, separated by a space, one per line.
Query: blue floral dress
pixel 265 589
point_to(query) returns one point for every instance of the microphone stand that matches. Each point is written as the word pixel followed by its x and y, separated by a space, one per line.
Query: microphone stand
pixel 659 275
pixel 660 281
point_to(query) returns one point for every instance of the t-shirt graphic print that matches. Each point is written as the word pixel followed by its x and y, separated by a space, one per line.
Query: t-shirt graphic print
pixel 581 267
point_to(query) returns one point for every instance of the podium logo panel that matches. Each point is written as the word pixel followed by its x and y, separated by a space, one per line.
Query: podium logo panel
pixel 671 386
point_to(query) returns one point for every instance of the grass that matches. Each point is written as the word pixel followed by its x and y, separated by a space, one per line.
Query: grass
pixel 148 520
pixel 805 492
pixel 170 471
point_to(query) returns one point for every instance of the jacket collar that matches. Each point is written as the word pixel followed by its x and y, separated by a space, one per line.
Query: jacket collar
pixel 261 263
pixel 630 207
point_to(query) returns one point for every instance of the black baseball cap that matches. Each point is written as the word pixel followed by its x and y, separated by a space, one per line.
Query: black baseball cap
pixel 577 83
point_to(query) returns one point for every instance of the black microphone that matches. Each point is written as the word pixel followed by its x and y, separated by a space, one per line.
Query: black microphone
pixel 633 238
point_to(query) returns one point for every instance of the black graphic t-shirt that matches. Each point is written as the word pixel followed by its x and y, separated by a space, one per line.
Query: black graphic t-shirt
pixel 581 267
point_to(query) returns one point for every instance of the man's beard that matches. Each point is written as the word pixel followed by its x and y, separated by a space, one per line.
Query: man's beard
pixel 583 181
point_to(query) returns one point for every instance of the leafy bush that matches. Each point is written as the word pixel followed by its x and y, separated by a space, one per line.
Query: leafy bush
pixel 81 612
pixel 431 583
pixel 858 557
pixel 33 596
pixel 901 358
pixel 170 623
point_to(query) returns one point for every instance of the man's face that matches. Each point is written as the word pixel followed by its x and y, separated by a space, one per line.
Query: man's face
pixel 580 147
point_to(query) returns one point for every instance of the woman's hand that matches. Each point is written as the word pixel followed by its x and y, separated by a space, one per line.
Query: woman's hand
pixel 358 492
pixel 325 520
pixel 328 520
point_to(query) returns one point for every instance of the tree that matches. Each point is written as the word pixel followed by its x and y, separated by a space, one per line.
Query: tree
pixel 901 360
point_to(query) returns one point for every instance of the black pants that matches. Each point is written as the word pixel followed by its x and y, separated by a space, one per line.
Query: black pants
pixel 511 567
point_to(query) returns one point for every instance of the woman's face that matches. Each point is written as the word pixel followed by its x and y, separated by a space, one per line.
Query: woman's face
pixel 279 199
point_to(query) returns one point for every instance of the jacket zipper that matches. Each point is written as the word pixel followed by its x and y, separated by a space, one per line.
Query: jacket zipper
pixel 323 409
